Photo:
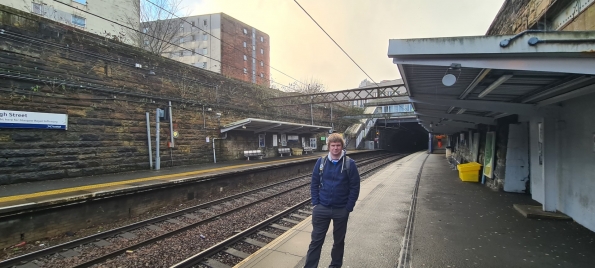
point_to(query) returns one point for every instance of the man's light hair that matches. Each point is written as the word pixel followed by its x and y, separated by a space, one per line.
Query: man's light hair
pixel 336 137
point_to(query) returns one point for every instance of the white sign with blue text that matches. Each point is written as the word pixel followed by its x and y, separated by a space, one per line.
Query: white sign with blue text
pixel 19 119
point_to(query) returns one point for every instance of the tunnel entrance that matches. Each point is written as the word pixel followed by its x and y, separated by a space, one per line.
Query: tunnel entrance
pixel 402 137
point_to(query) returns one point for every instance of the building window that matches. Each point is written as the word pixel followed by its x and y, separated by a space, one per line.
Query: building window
pixel 261 39
pixel 261 51
pixel 245 57
pixel 145 30
pixel 254 73
pixel 253 47
pixel 181 26
pixel 204 64
pixel 244 44
pixel 192 38
pixel 261 75
pixel 82 2
pixel 253 35
pixel 245 71
pixel 253 60
pixel 204 22
pixel 261 63
pixel 79 21
pixel 205 51
pixel 146 43
pixel 245 31
pixel 37 9
pixel 193 24
pixel 181 53
pixel 205 37
pixel 181 40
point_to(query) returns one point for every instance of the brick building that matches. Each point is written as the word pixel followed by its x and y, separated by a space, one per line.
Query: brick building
pixel 223 44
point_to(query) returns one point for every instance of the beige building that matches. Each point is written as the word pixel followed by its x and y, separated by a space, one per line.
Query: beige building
pixel 216 42
pixel 74 13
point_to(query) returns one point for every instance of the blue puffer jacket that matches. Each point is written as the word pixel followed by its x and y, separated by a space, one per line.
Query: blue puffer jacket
pixel 338 190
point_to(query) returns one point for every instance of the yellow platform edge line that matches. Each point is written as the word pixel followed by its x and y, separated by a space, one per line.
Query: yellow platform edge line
pixel 101 185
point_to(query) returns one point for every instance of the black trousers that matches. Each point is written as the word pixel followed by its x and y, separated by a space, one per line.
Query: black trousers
pixel 321 219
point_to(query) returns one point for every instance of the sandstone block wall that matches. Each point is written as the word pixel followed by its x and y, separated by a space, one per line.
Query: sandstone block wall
pixel 53 68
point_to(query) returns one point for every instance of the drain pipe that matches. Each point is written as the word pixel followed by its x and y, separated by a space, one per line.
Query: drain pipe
pixel 214 154
pixel 149 142
pixel 204 120
pixel 157 159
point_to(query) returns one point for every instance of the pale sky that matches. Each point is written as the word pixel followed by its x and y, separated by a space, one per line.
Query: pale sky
pixel 362 27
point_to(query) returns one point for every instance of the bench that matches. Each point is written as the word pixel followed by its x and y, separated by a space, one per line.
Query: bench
pixel 308 149
pixel 284 151
pixel 253 153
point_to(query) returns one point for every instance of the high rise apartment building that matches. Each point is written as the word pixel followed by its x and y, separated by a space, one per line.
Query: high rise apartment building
pixel 76 14
pixel 223 44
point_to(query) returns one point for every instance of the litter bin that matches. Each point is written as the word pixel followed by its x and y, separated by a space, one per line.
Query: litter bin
pixel 469 171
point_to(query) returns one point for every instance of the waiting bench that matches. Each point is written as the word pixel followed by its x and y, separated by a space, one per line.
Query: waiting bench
pixel 253 153
pixel 284 151
pixel 308 149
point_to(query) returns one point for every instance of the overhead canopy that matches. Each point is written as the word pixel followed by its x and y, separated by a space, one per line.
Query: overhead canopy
pixel 495 76
pixel 262 125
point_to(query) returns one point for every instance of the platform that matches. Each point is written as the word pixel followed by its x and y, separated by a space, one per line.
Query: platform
pixel 456 224
pixel 375 227
pixel 24 195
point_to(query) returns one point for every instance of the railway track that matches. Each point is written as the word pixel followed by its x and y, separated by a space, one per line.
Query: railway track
pixel 227 247
pixel 98 248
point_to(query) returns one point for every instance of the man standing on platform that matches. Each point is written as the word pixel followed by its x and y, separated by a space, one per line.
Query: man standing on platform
pixel 334 189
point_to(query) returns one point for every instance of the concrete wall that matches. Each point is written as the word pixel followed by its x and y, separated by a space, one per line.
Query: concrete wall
pixel 577 161
pixel 120 11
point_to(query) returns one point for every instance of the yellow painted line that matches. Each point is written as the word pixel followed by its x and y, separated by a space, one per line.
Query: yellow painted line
pixel 95 186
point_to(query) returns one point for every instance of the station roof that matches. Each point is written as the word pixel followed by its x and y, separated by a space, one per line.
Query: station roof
pixel 496 76
pixel 261 125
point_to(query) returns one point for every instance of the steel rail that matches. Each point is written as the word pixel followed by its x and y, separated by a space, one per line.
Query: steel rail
pixel 201 256
pixel 110 233
pixel 85 240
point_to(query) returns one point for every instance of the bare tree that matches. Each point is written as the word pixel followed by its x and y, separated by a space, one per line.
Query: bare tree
pixel 160 27
pixel 307 86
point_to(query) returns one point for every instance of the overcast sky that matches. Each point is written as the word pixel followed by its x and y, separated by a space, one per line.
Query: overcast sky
pixel 362 27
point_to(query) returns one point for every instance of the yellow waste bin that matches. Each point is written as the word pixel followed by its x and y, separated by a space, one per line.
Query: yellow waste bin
pixel 469 171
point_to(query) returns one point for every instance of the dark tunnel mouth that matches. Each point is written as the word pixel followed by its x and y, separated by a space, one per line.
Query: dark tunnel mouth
pixel 403 137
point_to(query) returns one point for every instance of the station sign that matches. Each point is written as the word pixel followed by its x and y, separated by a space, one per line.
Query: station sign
pixel 32 120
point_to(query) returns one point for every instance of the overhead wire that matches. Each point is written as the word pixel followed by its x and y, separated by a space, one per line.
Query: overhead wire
pixel 329 36
pixel 231 45
pixel 135 30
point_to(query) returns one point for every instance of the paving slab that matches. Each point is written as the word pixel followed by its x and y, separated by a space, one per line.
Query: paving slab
pixel 460 224
pixel 536 212
pixel 365 246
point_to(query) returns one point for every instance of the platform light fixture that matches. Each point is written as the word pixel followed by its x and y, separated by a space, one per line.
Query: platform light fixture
pixel 450 79
pixel 494 85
